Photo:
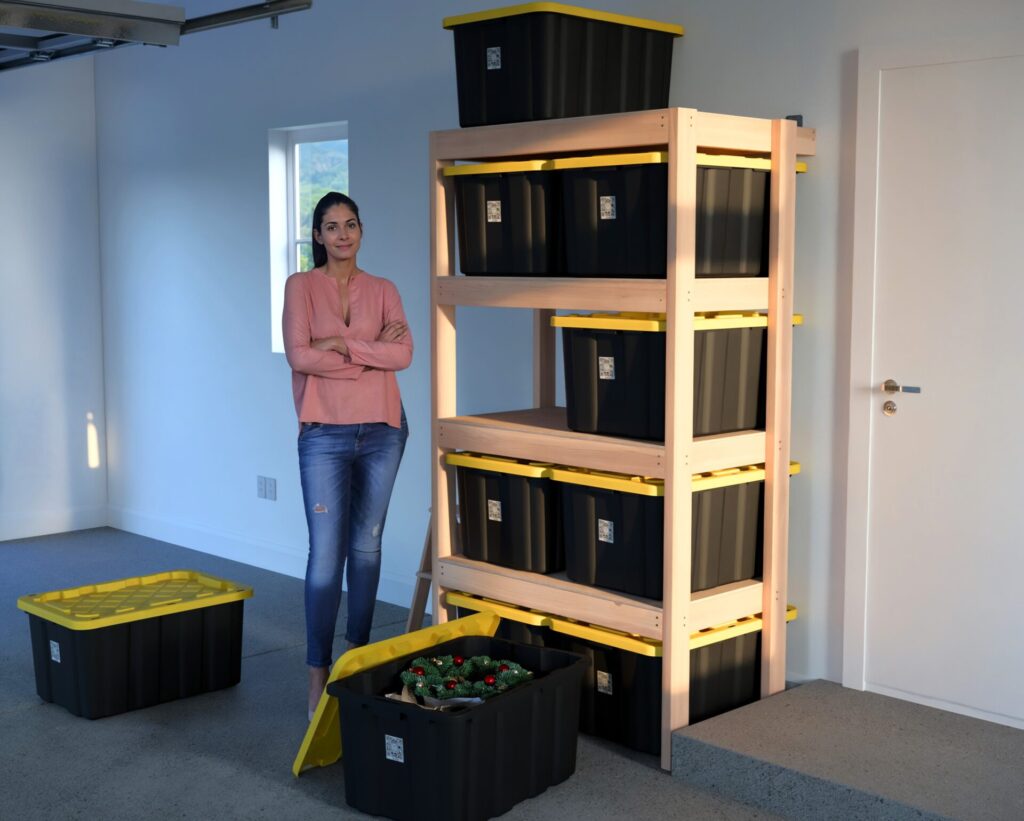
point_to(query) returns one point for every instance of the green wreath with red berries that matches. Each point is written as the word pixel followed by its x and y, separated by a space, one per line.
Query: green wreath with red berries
pixel 444 677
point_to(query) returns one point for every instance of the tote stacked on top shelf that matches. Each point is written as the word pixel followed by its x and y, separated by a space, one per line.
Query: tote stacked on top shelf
pixel 542 61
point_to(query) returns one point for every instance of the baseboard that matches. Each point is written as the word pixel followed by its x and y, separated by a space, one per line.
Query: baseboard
pixel 44 522
pixel 278 558
pixel 949 706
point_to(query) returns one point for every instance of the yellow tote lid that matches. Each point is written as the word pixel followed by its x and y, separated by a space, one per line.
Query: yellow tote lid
pixel 516 166
pixel 655 322
pixel 94 606
pixel 499 464
pixel 734 476
pixel 640 485
pixel 624 321
pixel 507 611
pixel 737 161
pixel 560 8
pixel 603 160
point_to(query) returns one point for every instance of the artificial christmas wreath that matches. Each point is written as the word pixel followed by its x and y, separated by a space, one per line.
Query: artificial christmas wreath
pixel 446 677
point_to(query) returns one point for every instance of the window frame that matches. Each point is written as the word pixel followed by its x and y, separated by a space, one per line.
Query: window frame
pixel 283 145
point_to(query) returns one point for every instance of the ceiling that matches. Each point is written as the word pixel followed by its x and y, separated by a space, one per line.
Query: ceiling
pixel 32 33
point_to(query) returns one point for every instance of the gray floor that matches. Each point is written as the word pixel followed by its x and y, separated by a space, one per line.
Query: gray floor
pixel 228 754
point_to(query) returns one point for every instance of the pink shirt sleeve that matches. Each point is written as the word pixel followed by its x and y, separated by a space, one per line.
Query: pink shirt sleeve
pixel 384 356
pixel 296 330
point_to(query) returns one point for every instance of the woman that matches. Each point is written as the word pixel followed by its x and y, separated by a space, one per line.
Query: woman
pixel 345 335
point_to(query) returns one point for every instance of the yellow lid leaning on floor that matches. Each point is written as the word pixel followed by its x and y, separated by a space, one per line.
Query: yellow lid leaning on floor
pixel 499 464
pixel 514 166
pixel 94 606
pixel 734 476
pixel 561 8
pixel 640 485
pixel 606 160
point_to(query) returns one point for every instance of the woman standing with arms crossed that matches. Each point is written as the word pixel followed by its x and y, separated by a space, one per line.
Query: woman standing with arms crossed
pixel 345 335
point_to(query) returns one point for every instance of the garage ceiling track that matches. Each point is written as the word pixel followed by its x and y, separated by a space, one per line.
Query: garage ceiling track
pixel 39 32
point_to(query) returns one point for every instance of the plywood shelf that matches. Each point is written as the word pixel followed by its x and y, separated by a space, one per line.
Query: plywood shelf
pixel 574 293
pixel 541 434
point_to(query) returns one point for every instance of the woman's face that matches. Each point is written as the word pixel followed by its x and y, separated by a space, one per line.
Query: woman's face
pixel 339 233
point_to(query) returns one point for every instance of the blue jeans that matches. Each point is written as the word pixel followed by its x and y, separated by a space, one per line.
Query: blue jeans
pixel 348 472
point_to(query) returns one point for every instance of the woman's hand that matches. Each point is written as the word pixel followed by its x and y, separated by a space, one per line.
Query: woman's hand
pixel 330 343
pixel 392 332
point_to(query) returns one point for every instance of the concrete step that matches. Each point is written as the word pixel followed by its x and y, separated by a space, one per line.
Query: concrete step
pixel 821 751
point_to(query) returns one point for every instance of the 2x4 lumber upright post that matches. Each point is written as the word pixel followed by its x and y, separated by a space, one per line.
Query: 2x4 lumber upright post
pixel 543 359
pixel 682 230
pixel 781 245
pixel 442 366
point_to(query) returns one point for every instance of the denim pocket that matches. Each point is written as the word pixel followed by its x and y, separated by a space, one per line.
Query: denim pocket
pixel 309 427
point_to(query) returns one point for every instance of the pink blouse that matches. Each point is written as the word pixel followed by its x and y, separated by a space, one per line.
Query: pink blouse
pixel 328 386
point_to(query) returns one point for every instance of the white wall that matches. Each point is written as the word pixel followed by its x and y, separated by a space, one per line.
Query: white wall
pixel 51 361
pixel 197 404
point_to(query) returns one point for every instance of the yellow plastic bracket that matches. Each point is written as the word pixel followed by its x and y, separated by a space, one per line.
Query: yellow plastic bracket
pixel 322 743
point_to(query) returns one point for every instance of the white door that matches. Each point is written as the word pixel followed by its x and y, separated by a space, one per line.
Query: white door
pixel 936 562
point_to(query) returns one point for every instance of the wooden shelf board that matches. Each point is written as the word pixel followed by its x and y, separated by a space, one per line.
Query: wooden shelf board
pixel 541 434
pixel 634 130
pixel 571 293
pixel 618 611
pixel 720 605
pixel 731 294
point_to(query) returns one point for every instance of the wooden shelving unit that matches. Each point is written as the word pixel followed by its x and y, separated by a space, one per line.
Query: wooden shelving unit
pixel 541 433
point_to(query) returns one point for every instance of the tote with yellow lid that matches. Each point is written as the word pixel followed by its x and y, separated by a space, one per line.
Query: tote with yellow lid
pixel 103 649
pixel 621 695
pixel 539 61
pixel 614 528
pixel 507 218
pixel 508 512
pixel 615 215
pixel 615 373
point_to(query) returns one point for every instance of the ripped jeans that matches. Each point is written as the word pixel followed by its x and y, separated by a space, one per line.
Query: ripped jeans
pixel 348 472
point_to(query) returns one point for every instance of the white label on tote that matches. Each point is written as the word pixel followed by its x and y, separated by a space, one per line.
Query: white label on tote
pixel 493 58
pixel 494 210
pixel 494 510
pixel 394 749
pixel 54 652
pixel 606 367
pixel 607 208
pixel 604 682
pixel 605 531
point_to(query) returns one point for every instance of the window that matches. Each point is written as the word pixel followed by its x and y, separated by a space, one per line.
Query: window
pixel 305 163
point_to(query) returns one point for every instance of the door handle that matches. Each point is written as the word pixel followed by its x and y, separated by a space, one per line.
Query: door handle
pixel 892 386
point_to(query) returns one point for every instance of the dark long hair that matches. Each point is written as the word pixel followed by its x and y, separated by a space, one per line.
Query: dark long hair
pixel 328 201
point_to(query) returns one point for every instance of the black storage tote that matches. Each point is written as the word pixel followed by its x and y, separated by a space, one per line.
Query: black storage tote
pixel 508 512
pixel 614 529
pixel 104 649
pixel 507 218
pixel 541 61
pixel 622 686
pixel 405 762
pixel 615 373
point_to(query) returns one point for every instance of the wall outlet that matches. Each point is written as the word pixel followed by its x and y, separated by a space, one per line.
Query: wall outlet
pixel 270 486
pixel 261 487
